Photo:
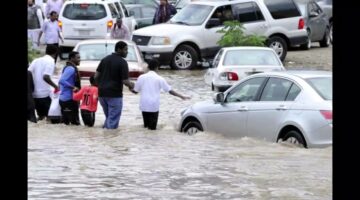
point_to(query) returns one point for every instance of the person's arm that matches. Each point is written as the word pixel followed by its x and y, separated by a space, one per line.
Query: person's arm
pixel 129 84
pixel 172 92
pixel 77 96
pixel 48 80
pixel 40 16
pixel 49 71
pixel 125 76
pixel 43 27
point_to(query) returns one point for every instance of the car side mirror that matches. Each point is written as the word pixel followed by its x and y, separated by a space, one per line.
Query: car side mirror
pixel 213 22
pixel 313 14
pixel 219 98
pixel 131 13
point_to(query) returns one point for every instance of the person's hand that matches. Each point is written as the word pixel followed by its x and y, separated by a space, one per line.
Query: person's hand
pixel 75 89
pixel 56 90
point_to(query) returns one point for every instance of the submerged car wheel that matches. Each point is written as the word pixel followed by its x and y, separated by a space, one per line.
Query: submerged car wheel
pixel 185 57
pixel 294 137
pixel 192 128
pixel 325 42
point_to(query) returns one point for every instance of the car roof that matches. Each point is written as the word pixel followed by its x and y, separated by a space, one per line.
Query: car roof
pixel 247 48
pixel 303 74
pixel 99 41
pixel 90 1
pixel 219 2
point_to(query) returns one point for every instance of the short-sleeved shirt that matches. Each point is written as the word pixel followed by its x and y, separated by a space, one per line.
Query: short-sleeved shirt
pixel 150 85
pixel 51 31
pixel 89 98
pixel 39 67
pixel 113 70
pixel 67 83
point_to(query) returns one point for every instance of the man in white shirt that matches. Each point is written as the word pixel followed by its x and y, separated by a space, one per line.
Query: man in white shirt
pixel 35 22
pixel 120 30
pixel 150 85
pixel 42 68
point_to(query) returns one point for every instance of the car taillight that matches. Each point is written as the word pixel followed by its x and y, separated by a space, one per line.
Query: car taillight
pixel 60 24
pixel 301 23
pixel 109 24
pixel 229 76
pixel 327 114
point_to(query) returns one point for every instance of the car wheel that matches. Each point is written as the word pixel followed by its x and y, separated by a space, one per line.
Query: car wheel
pixel 307 45
pixel 279 45
pixel 192 128
pixel 325 42
pixel 294 137
pixel 185 57
pixel 331 32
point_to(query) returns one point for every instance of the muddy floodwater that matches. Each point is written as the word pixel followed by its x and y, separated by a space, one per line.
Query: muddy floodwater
pixel 76 162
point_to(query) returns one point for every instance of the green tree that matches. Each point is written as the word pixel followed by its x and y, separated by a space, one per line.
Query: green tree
pixel 234 36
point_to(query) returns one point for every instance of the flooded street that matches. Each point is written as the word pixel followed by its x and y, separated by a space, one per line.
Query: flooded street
pixel 69 162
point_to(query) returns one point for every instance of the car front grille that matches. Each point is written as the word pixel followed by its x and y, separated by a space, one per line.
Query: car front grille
pixel 141 40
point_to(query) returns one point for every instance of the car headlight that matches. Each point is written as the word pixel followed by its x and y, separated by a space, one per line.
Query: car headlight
pixel 160 41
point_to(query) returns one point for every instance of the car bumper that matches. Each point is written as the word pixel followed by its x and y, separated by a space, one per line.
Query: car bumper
pixel 298 40
pixel 321 137
pixel 164 58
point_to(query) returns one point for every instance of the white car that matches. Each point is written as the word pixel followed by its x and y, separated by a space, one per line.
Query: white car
pixel 276 106
pixel 232 64
pixel 90 19
pixel 92 51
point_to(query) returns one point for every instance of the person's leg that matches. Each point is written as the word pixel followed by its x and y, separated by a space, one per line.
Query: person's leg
pixel 64 112
pixel 42 106
pixel 74 113
pixel 31 115
pixel 87 117
pixel 115 108
pixel 153 118
pixel 145 119
pixel 92 122
pixel 105 107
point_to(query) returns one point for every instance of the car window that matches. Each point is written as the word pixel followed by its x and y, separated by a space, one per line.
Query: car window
pixel 217 58
pixel 192 14
pixel 148 12
pixel 118 8
pixel 246 91
pixel 99 51
pixel 124 9
pixel 250 57
pixel 293 93
pixel 137 13
pixel 280 9
pixel 276 89
pixel 113 11
pixel 323 86
pixel 317 8
pixel 223 13
pixel 84 11
pixel 247 12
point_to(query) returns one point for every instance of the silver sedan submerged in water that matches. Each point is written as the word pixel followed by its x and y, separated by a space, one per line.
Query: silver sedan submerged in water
pixel 293 106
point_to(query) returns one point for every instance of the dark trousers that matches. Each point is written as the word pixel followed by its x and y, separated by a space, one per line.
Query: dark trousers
pixel 42 106
pixel 88 117
pixel 150 119
pixel 57 52
pixel 31 115
pixel 70 112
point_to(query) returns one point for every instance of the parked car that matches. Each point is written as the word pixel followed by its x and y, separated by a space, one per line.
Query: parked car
pixel 92 51
pixel 143 14
pixel 316 23
pixel 90 19
pixel 289 106
pixel 232 64
pixel 326 6
pixel 191 35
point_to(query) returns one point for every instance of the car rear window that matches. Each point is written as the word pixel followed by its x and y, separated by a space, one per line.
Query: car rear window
pixel 280 9
pixel 84 11
pixel 99 51
pixel 323 86
pixel 250 57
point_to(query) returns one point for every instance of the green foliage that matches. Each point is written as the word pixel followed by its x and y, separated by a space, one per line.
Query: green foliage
pixel 234 36
pixel 32 53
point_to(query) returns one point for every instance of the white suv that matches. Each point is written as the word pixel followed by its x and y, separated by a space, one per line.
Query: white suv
pixel 90 19
pixel 191 35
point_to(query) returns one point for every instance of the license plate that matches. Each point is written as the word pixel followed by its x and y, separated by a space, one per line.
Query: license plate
pixel 84 32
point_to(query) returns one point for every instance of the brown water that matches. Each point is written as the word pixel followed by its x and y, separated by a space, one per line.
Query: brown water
pixel 68 162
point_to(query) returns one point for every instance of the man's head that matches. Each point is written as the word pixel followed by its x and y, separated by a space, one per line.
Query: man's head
pixel 74 57
pixel 163 2
pixel 118 22
pixel 121 48
pixel 153 64
pixel 31 2
pixel 53 16
pixel 51 50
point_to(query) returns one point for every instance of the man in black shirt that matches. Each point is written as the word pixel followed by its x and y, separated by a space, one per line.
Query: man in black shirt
pixel 111 74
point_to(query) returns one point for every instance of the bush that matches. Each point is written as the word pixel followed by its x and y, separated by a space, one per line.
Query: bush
pixel 234 36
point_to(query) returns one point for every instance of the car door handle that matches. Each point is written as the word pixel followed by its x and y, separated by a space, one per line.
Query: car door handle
pixel 281 107
pixel 242 109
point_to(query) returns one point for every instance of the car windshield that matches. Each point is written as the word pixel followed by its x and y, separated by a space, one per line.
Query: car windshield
pixel 99 51
pixel 192 14
pixel 250 57
pixel 323 86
